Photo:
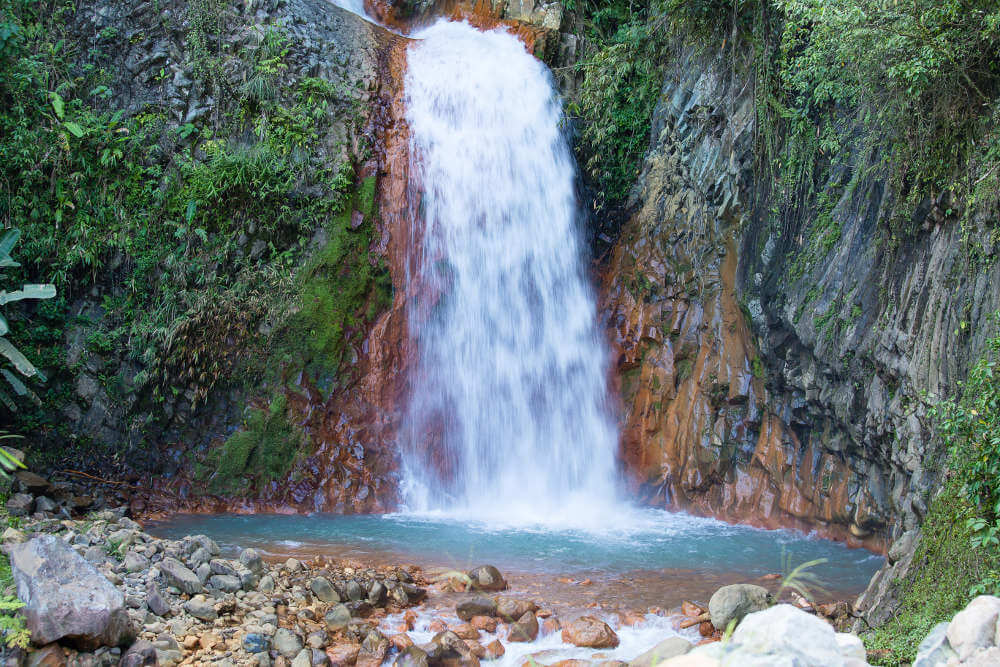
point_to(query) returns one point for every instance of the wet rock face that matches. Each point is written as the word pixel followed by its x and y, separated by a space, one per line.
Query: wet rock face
pixel 702 428
pixel 764 383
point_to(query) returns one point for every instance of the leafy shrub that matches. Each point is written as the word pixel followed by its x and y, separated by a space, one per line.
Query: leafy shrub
pixel 615 102
pixel 970 427
pixel 946 567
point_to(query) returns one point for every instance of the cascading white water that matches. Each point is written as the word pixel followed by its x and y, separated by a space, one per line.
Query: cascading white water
pixel 511 380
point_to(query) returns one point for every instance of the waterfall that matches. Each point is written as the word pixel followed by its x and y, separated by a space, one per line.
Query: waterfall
pixel 508 415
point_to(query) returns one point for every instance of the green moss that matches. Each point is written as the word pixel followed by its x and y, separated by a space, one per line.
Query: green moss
pixel 264 450
pixel 340 291
pixel 366 197
pixel 945 569
pixel 684 368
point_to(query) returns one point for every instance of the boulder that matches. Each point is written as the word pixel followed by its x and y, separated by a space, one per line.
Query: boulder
pixel 477 606
pixel 974 627
pixel 590 632
pixel 735 602
pixel 487 578
pixel 783 634
pixel 66 598
pixel 178 575
pixel 670 647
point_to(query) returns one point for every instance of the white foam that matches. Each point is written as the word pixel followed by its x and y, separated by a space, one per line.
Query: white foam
pixel 633 640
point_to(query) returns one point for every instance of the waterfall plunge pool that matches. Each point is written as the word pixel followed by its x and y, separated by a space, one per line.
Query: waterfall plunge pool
pixel 647 558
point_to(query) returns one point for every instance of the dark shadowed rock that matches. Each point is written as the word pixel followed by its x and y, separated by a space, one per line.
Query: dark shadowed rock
pixel 20 504
pixel 477 606
pixel 140 654
pixel 66 598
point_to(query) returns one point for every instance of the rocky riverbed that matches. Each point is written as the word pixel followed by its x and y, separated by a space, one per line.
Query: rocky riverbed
pixel 101 591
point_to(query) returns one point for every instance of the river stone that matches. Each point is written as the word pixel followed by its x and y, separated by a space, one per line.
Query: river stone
pixel 477 606
pixel 373 650
pixel 43 504
pixel 287 643
pixel 135 562
pixel 223 567
pixel 226 583
pixel 201 608
pixel 140 654
pixel 66 598
pixel 487 578
pixel 266 584
pixel 323 590
pixel 255 642
pixel 735 602
pixel 975 626
pixel 338 617
pixel 303 659
pixel 525 629
pixel 251 559
pixel 155 601
pixel 178 575
pixel 669 648
pixel 20 504
pixel 511 609
pixel 935 649
pixel 354 590
pixel 13 535
pixel 200 556
pixel 590 632
pixel 412 656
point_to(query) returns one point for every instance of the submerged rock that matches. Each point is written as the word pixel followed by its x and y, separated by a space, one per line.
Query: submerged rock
pixel 735 602
pixel 477 606
pixel 66 598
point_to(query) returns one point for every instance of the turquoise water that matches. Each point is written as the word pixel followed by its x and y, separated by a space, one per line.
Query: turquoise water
pixel 642 540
